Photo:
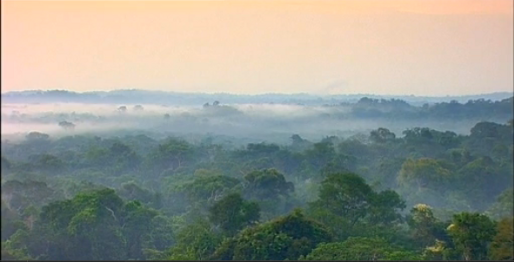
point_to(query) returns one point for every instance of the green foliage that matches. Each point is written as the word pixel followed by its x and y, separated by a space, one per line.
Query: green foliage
pixel 381 135
pixel 422 224
pixel 94 225
pixel 207 189
pixel 424 173
pixel 11 221
pixel 385 208
pixel 287 237
pixel 346 200
pixel 360 248
pixel 161 234
pixel 132 191
pixel 9 252
pixel 233 213
pixel 136 219
pixel 502 245
pixel 503 207
pixel 471 233
pixel 213 197
pixel 346 195
pixel 267 184
pixel 18 195
pixel 196 241
pixel 172 154
pixel 484 180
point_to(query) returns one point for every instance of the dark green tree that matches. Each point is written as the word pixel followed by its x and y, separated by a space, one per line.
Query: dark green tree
pixel 232 213
pixel 472 233
pixel 283 238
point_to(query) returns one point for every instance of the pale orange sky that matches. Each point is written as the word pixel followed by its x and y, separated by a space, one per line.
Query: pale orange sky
pixel 420 47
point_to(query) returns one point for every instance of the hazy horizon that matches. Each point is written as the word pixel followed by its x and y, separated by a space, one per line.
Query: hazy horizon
pixel 389 47
pixel 3 92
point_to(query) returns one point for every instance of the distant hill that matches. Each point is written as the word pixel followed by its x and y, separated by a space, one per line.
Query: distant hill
pixel 173 98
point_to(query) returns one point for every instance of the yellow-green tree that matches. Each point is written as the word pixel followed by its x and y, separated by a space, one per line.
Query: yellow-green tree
pixel 503 242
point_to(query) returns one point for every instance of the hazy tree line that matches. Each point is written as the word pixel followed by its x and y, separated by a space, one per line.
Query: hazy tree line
pixel 250 123
pixel 364 108
pixel 423 194
pixel 161 97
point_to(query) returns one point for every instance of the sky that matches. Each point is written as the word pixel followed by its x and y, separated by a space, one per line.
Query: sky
pixel 394 47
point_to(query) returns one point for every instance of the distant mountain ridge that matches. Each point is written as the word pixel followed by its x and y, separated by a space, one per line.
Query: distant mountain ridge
pixel 136 96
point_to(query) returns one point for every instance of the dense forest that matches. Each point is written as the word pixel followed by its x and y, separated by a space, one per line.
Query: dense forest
pixel 419 194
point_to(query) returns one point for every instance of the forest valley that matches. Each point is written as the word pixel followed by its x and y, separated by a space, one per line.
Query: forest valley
pixel 425 195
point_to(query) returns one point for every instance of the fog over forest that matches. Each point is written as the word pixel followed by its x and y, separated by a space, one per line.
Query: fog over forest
pixel 262 130
pixel 139 175
pixel 271 118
